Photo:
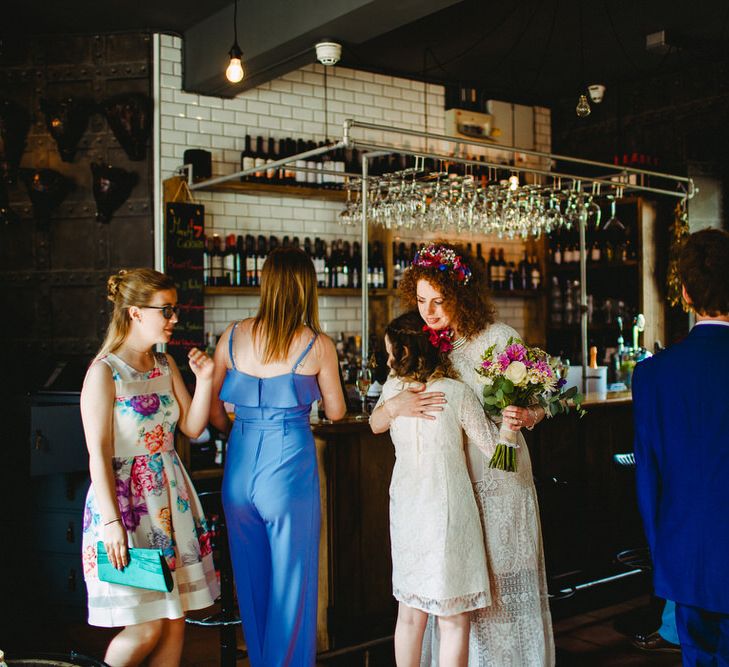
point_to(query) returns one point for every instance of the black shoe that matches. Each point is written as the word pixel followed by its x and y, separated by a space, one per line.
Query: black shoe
pixel 654 642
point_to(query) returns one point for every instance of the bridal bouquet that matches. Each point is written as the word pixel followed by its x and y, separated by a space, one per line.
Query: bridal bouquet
pixel 521 376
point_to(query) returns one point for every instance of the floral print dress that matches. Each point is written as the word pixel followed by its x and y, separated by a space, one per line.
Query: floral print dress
pixel 157 504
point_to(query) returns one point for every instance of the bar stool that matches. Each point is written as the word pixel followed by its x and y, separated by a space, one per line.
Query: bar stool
pixel 637 558
pixel 227 618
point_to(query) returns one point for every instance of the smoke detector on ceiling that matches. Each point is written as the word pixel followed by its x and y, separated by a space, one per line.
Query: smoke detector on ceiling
pixel 328 53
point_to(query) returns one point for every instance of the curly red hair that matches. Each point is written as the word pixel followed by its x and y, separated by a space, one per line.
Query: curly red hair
pixel 468 306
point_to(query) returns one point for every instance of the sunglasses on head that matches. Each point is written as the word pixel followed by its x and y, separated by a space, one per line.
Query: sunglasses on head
pixel 167 310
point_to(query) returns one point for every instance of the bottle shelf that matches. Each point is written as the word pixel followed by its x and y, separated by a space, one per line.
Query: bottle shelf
pixel 323 291
pixel 353 291
pixel 275 190
pixel 575 328
pixel 593 266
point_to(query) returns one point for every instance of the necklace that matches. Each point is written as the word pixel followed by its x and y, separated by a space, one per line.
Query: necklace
pixel 459 343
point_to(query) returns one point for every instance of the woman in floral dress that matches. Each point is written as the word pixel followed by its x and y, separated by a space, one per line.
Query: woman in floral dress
pixel 140 495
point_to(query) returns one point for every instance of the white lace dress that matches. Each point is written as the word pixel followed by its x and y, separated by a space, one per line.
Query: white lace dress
pixel 516 629
pixel 438 555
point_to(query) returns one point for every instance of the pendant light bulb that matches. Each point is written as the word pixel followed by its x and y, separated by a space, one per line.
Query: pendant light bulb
pixel 235 72
pixel 583 107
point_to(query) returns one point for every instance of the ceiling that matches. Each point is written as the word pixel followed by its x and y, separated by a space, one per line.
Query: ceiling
pixel 534 51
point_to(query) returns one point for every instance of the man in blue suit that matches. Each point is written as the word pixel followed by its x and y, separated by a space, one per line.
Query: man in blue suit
pixel 681 408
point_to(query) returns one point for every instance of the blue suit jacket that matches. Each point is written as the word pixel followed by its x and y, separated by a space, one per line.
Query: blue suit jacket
pixel 681 410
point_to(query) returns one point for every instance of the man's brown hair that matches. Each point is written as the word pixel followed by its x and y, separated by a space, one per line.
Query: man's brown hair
pixel 703 265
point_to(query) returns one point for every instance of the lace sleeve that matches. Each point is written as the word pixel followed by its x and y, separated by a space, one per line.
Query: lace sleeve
pixel 481 431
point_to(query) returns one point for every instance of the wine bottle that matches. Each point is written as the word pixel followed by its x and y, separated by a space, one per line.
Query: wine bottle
pixel 250 261
pixel 271 156
pixel 229 261
pixel 356 272
pixel 216 262
pixel 301 176
pixel 501 270
pixel 260 160
pixel 261 253
pixel 240 268
pixel 492 270
pixel 312 165
pixel 536 274
pixel 247 160
pixel 207 251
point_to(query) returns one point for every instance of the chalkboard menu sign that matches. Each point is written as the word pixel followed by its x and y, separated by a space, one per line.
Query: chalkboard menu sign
pixel 184 245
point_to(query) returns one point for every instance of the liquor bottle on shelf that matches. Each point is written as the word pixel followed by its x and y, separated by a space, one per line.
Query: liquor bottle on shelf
pixel 345 258
pixel 378 264
pixel 260 161
pixel 261 252
pixel 332 265
pixel 247 159
pixel 535 274
pixel 311 164
pixel 210 343
pixel 272 243
pixel 295 242
pixel 509 277
pixel 301 176
pixel 250 278
pixel 308 250
pixel 523 273
pixel 493 270
pixel 339 167
pixel 229 261
pixel 555 302
pixel 501 270
pixel 320 262
pixel 356 272
pixel 240 269
pixel 207 253
pixel 216 262
pixel 271 156
pixel 595 254
pixel 479 257
pixel 557 256
pixel 288 172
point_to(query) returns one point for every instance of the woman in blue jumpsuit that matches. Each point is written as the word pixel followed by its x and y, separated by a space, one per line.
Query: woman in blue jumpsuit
pixel 272 368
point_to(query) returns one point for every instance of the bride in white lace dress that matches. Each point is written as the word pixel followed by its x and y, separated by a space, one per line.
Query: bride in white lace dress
pixel 516 629
pixel 438 555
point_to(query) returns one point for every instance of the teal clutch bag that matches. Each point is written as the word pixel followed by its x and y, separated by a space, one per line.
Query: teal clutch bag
pixel 147 568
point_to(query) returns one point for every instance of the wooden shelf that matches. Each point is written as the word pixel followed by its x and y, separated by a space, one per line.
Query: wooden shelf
pixel 271 190
pixel 575 328
pixel 593 266
pixel 323 291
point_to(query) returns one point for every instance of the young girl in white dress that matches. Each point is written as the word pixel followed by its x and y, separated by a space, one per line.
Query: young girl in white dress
pixel 438 556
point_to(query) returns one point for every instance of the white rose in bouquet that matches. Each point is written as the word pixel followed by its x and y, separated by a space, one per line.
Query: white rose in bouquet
pixel 516 371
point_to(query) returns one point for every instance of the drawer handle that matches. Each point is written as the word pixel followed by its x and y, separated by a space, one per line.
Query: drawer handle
pixel 70 537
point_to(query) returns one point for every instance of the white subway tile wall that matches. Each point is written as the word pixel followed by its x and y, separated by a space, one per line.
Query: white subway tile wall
pixel 293 106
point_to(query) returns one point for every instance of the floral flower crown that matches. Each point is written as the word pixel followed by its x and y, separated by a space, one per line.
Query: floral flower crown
pixel 443 259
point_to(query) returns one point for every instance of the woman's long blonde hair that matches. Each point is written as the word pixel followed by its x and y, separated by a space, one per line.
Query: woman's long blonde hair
pixel 129 287
pixel 288 300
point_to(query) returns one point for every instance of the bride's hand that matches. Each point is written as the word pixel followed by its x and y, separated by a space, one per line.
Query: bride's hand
pixel 515 417
pixel 415 402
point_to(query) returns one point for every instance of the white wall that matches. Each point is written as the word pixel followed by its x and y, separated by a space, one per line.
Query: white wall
pixel 293 106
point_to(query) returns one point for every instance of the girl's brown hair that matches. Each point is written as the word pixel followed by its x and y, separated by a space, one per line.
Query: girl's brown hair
pixel 288 301
pixel 414 356
pixel 129 287
pixel 469 306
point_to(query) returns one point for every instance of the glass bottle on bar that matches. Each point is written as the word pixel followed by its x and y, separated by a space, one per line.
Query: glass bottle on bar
pixel 240 269
pixel 535 273
pixel 311 165
pixel 229 261
pixel 207 252
pixel 493 270
pixel 289 174
pixel 356 272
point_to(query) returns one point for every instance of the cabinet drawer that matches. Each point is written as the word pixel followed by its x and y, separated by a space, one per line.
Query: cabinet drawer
pixel 64 492
pixel 58 532
pixel 60 579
